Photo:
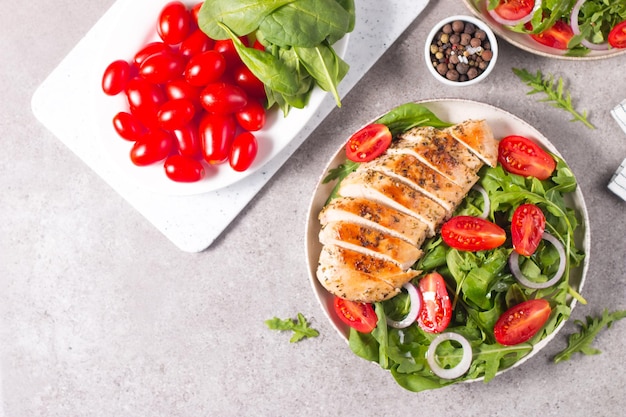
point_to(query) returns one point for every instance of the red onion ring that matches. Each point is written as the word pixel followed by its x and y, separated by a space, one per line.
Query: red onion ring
pixel 573 21
pixel 461 367
pixel 517 273
pixel 486 201
pixel 416 307
pixel 506 22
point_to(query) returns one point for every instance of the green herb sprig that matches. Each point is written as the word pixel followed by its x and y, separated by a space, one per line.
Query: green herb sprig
pixel 300 327
pixel 555 92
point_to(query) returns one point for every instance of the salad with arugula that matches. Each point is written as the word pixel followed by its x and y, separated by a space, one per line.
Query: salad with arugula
pixel 482 286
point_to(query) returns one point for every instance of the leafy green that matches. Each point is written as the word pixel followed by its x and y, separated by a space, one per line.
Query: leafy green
pixel 581 342
pixel 555 93
pixel 300 327
pixel 409 115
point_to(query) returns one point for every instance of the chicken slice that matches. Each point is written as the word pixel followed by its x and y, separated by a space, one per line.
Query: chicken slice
pixel 478 137
pixel 385 190
pixel 420 176
pixel 370 241
pixel 359 277
pixel 375 215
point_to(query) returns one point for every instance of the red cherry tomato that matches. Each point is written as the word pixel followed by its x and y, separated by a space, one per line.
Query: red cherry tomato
pixel 472 234
pixel 154 146
pixel 617 35
pixel 204 68
pixel 258 45
pixel 227 48
pixel 150 49
pixel 521 322
pixel 188 141
pixel 252 116
pixel 243 151
pixel 144 99
pixel 174 23
pixel 557 36
pixel 359 316
pixel 183 169
pixel 195 11
pixel 527 227
pixel 217 132
pixel 436 311
pixel 179 88
pixel 223 98
pixel 195 44
pixel 115 77
pixel 128 126
pixel 249 82
pixel 174 114
pixel 514 9
pixel 522 156
pixel 163 67
pixel 368 143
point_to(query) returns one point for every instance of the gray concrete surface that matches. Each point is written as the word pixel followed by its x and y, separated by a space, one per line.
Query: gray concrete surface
pixel 100 315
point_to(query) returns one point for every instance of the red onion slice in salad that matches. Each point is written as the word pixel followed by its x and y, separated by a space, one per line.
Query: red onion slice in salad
pixel 486 201
pixel 507 22
pixel 576 29
pixel 519 276
pixel 416 306
pixel 461 367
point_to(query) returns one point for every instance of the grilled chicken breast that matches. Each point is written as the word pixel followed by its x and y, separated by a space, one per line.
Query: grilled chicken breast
pixel 372 233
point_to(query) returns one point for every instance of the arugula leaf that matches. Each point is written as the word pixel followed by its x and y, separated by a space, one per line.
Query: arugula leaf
pixel 555 93
pixel 300 327
pixel 581 342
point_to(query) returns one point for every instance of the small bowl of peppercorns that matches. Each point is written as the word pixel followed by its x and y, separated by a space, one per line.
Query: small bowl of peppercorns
pixel 461 50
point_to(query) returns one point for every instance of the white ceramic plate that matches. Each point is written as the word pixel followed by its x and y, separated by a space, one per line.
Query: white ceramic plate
pixel 526 43
pixel 455 111
pixel 136 27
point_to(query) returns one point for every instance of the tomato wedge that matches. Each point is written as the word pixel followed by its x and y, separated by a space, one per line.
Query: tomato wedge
pixel 368 143
pixel 527 227
pixel 472 234
pixel 514 9
pixel 522 156
pixel 557 36
pixel 521 322
pixel 359 316
pixel 617 35
pixel 436 311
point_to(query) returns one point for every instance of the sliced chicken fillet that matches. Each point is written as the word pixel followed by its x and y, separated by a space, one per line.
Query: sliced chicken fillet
pixel 478 137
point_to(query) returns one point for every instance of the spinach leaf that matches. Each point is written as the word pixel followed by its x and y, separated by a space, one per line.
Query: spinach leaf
pixel 409 115
pixel 325 67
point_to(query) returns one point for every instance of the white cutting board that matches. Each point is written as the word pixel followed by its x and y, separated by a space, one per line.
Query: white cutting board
pixel 193 222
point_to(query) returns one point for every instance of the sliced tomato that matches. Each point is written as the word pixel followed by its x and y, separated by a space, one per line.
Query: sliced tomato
pixel 514 9
pixel 617 35
pixel 557 36
pixel 368 143
pixel 522 156
pixel 436 310
pixel 527 227
pixel 521 322
pixel 472 234
pixel 359 316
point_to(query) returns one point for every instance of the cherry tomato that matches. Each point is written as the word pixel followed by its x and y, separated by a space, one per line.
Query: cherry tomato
pixel 557 36
pixel 195 44
pixel 223 98
pixel 258 45
pixel 227 48
pixel 252 116
pixel 115 77
pixel 154 146
pixel 144 100
pixel 617 35
pixel 174 23
pixel 359 316
pixel 179 88
pixel 217 132
pixel 188 140
pixel 521 322
pixel 204 68
pixel 245 79
pixel 527 226
pixel 522 156
pixel 128 126
pixel 174 114
pixel 514 9
pixel 150 49
pixel 368 143
pixel 243 151
pixel 436 311
pixel 472 234
pixel 195 11
pixel 183 169
pixel 163 67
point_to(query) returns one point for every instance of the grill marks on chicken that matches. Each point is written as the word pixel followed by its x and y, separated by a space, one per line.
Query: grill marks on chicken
pixel 372 233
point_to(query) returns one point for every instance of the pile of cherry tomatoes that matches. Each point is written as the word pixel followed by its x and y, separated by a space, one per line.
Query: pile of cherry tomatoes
pixel 192 103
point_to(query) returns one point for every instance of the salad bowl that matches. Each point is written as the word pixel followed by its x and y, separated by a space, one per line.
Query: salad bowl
pixel 502 124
